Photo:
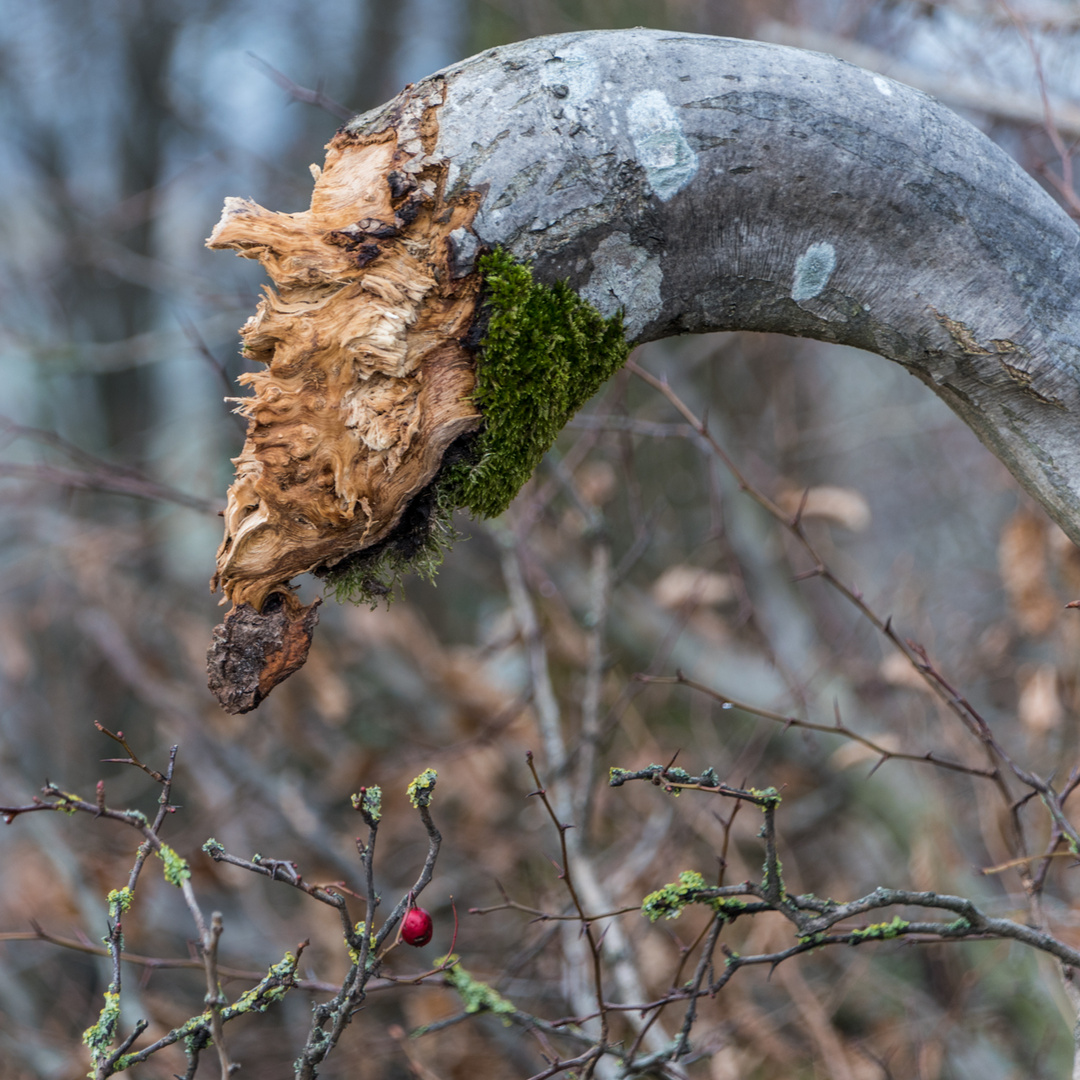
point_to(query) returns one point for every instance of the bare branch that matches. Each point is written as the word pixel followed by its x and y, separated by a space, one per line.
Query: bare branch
pixel 300 93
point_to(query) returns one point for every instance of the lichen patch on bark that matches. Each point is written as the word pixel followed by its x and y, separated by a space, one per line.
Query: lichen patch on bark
pixel 366 380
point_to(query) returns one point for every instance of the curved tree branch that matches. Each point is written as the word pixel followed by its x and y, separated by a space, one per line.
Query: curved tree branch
pixel 692 183
pixel 712 184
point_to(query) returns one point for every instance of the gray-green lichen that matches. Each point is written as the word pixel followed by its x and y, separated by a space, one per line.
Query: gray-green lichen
pixel 368 801
pixel 475 995
pixel 813 268
pixel 99 1037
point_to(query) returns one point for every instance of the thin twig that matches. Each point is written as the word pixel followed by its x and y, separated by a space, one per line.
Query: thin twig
pixel 596 627
pixel 300 93
pixel 215 999
pixel 567 877
pixel 838 728
pixel 163 963
pixel 547 916
pixel 914 653
pixel 1063 184
pixel 96 474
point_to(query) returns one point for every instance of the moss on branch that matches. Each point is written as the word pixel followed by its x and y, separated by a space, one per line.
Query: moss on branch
pixel 543 354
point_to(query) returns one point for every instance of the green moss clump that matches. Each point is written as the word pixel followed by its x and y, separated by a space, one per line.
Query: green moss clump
pixel 544 353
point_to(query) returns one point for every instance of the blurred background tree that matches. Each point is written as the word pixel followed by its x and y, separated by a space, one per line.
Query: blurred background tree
pixel 124 125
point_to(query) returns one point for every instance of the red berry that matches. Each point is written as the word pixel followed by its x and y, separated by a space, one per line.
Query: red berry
pixel 416 927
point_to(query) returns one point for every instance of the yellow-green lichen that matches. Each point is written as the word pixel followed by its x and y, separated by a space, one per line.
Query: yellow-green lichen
pixel 176 869
pixel 769 797
pixel 358 930
pixel 669 901
pixel 421 789
pixel 119 901
pixel 881 931
pixel 65 803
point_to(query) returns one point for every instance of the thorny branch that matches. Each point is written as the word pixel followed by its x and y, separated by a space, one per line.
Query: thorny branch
pixel 838 728
pixel 566 874
pixel 368 947
pixel 914 653
pixel 999 761
pixel 332 1017
pixel 812 916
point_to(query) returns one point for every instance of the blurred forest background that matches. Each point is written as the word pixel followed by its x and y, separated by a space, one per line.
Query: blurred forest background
pixel 123 126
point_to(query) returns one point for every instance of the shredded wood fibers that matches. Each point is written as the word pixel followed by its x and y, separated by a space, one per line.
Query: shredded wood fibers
pixel 366 382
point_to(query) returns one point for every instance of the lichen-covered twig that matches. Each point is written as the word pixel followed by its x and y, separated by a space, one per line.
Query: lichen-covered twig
pixel 810 915
pixel 367 944
pixel 364 941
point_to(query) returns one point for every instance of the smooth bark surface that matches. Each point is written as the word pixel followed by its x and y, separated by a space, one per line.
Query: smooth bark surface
pixel 705 183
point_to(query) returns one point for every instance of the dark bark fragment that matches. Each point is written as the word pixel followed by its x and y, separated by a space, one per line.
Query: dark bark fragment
pixel 252 652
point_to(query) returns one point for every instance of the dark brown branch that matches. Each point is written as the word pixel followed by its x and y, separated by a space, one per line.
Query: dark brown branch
pixel 839 728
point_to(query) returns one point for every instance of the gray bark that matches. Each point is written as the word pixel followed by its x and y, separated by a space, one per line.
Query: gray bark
pixel 706 184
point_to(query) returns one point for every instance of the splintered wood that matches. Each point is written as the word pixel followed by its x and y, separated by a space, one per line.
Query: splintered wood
pixel 366 380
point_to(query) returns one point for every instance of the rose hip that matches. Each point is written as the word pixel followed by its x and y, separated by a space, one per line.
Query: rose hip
pixel 416 927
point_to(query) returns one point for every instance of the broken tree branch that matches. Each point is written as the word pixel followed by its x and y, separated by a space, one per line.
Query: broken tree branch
pixel 680 182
